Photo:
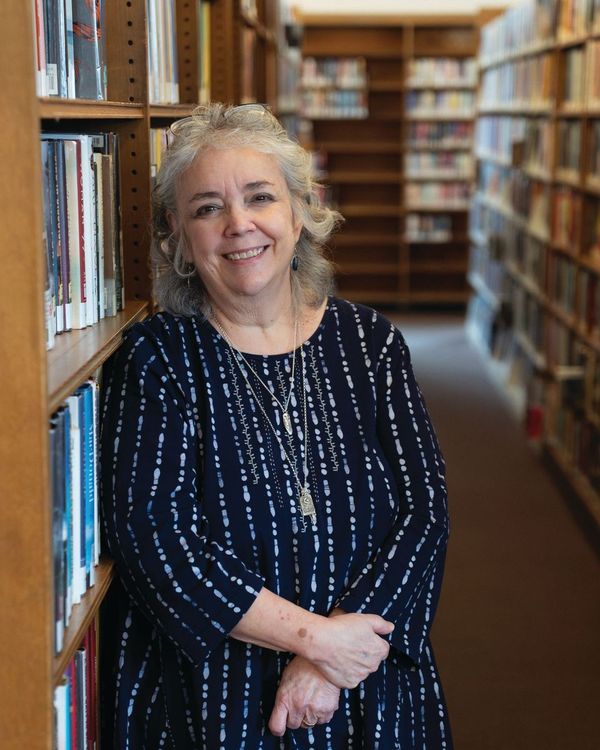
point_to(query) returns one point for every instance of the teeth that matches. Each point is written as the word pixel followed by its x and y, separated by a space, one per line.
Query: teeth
pixel 246 253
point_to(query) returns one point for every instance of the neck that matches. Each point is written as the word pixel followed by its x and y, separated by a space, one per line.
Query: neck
pixel 260 329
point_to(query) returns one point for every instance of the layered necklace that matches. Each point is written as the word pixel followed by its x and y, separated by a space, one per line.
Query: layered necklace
pixel 305 500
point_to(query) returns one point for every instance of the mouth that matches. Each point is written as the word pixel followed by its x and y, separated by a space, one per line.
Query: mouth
pixel 252 252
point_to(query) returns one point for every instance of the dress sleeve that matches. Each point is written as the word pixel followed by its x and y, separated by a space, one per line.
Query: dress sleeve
pixel 402 580
pixel 190 587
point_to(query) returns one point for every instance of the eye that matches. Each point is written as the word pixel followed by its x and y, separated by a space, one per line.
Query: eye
pixel 206 210
pixel 263 198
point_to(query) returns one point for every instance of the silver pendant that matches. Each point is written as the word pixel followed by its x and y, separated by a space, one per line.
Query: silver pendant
pixel 287 422
pixel 307 505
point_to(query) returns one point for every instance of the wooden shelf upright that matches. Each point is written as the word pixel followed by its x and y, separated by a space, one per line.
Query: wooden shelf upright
pixel 34 382
pixel 367 158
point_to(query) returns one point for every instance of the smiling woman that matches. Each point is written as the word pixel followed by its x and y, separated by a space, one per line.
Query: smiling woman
pixel 272 489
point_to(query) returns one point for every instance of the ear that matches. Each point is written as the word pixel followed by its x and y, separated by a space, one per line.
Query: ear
pixel 297 230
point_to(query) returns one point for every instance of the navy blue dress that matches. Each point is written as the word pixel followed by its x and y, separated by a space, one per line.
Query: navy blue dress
pixel 200 510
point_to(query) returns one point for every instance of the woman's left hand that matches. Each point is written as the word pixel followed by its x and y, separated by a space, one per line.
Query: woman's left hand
pixel 304 698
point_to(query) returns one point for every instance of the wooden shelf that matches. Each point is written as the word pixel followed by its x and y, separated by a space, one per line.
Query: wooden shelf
pixel 387 269
pixel 435 116
pixel 440 267
pixel 364 240
pixel 364 178
pixel 169 111
pixel 370 210
pixel 447 208
pixel 577 481
pixel 361 147
pixel 384 86
pixel 78 354
pixel 81 618
pixel 451 240
pixel 83 109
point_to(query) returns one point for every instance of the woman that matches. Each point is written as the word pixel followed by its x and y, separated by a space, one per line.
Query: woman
pixel 273 492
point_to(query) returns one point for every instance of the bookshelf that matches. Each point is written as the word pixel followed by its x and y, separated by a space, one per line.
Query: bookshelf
pixel 34 382
pixel 535 229
pixel 389 102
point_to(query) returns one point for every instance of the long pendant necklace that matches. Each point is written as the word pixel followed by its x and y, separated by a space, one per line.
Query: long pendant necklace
pixel 284 407
pixel 305 499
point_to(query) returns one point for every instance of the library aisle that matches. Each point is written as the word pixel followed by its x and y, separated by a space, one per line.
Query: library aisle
pixel 516 634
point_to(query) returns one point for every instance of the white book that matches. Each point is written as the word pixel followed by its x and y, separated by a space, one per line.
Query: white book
pixel 61 710
pixel 70 49
pixel 41 80
pixel 89 229
pixel 79 584
pixel 78 316
pixel 99 204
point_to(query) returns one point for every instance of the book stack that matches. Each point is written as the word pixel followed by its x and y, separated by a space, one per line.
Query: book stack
pixel 75 518
pixel 442 71
pixel 334 88
pixel 163 77
pixel 75 699
pixel 70 48
pixel 440 135
pixel 82 229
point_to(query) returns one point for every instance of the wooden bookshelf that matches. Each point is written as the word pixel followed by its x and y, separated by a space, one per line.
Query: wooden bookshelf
pixel 536 233
pixel 34 382
pixel 367 157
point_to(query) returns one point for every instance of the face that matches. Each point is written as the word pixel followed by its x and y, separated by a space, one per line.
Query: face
pixel 235 209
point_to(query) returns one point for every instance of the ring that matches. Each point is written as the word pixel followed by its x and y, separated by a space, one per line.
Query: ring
pixel 307 724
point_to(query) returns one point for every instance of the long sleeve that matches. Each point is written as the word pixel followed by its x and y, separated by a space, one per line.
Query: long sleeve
pixel 402 580
pixel 192 588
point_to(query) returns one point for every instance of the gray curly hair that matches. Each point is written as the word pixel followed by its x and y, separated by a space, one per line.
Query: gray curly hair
pixel 177 286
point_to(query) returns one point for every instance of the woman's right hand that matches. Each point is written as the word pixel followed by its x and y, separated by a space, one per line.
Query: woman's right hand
pixel 348 648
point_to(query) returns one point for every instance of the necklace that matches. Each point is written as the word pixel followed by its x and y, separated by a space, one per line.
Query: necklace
pixel 285 414
pixel 305 499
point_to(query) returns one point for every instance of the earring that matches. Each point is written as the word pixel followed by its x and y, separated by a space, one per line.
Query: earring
pixel 294 262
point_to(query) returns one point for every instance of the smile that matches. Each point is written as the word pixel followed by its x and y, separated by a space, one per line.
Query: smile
pixel 245 254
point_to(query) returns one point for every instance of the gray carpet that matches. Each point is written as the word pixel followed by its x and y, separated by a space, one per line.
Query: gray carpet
pixel 517 635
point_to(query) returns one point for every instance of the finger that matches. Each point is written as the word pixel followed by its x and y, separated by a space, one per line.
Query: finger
pixel 278 720
pixel 294 720
pixel 379 625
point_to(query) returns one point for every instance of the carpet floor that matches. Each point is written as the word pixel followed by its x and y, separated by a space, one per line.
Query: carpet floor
pixel 517 633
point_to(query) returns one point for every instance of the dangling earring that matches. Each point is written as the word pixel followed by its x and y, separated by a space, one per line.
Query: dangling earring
pixel 294 262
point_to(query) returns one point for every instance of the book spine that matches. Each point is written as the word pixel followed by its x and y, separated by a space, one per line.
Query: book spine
pixel 40 48
pixel 65 267
pixel 70 53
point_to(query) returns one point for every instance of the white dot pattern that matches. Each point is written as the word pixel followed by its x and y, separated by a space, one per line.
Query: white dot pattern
pixel 200 511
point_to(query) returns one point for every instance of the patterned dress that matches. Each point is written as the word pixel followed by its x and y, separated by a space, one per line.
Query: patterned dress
pixel 200 509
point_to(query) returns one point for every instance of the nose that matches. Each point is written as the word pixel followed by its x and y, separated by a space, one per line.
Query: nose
pixel 239 221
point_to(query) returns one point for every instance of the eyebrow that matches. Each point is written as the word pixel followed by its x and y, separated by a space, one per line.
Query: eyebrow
pixel 257 184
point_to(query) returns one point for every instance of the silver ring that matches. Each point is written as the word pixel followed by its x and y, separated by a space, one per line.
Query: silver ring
pixel 308 725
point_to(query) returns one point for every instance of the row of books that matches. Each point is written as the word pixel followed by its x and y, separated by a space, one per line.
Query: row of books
pixel 487 269
pixel 82 229
pixel 578 17
pixel 441 163
pixel 574 72
pixel 566 217
pixel 163 75
pixel 577 439
pixel 434 102
pixel 569 145
pixel 428 228
pixel 430 71
pixel 525 142
pixel 337 72
pixel 451 194
pixel 75 699
pixel 70 48
pixel 527 83
pixel 573 288
pixel 75 519
pixel 533 23
pixel 438 135
pixel 334 103
pixel 593 73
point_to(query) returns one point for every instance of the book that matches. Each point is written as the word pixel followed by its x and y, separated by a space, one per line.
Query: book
pixel 89 49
